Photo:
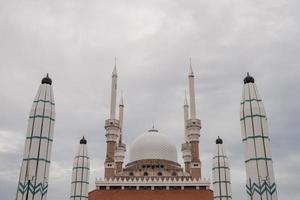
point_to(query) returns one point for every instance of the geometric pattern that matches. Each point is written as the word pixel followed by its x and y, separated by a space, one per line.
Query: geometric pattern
pixel 264 188
pixel 23 188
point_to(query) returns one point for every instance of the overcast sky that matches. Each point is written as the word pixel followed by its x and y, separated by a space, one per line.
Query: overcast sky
pixel 76 42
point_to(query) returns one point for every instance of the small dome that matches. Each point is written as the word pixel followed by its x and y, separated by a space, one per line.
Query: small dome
pixel 47 80
pixel 83 140
pixel 219 141
pixel 248 79
pixel 152 145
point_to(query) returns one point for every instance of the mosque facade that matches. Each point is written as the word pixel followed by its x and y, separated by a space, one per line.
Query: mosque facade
pixel 153 170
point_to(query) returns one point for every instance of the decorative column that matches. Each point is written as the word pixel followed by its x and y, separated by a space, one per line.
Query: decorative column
pixel 259 165
pixel 81 173
pixel 34 174
pixel 221 173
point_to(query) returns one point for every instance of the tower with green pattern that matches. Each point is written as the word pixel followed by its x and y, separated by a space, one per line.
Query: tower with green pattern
pixel 34 174
pixel 81 173
pixel 221 173
pixel 259 165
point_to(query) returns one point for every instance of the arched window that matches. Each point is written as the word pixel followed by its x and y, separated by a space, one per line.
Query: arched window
pixel 145 173
pixel 159 174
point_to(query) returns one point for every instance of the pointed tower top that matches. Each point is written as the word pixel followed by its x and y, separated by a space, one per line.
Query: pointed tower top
pixel 121 101
pixel 115 68
pixel 191 73
pixel 47 80
pixel 248 79
pixel 219 141
pixel 83 140
pixel 185 99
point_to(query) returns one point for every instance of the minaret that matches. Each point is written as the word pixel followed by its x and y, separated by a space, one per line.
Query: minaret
pixel 81 173
pixel 193 129
pixel 221 173
pixel 186 147
pixel 120 148
pixel 34 174
pixel 112 127
pixel 259 165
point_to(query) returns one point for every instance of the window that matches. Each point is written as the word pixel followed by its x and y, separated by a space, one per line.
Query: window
pixel 131 174
pixel 146 174
pixel 159 174
pixel 174 174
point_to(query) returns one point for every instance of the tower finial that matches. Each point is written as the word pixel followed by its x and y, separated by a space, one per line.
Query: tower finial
pixel 83 140
pixel 47 80
pixel 248 79
pixel 219 141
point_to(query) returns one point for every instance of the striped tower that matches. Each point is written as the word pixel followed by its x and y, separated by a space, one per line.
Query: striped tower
pixel 259 166
pixel 34 174
pixel 81 173
pixel 221 173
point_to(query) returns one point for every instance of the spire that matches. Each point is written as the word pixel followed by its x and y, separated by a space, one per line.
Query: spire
pixel 248 79
pixel 115 68
pixel 191 73
pixel 113 93
pixel 47 80
pixel 185 99
pixel 121 100
pixel 192 93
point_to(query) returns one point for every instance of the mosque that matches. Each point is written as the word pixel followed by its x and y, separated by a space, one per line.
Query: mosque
pixel 153 171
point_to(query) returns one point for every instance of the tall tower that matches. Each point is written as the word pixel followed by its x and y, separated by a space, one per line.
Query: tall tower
pixel 186 147
pixel 259 165
pixel 34 174
pixel 112 127
pixel 81 173
pixel 221 174
pixel 193 126
pixel 120 147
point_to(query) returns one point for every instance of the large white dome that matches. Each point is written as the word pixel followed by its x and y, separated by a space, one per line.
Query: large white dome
pixel 152 145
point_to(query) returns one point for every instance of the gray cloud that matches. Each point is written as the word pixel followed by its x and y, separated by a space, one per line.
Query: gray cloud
pixel 76 43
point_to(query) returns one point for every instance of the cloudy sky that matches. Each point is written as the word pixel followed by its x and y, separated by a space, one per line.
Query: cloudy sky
pixel 76 42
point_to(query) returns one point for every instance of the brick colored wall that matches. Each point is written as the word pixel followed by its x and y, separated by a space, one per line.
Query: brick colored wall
pixel 151 195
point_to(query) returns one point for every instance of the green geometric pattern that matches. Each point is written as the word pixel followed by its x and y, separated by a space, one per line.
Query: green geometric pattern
pixel 250 100
pixel 41 116
pixel 256 136
pixel 45 101
pixel 23 188
pixel 255 159
pixel 248 116
pixel 265 187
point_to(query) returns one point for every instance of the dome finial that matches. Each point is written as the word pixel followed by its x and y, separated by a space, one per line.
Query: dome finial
pixel 219 141
pixel 248 79
pixel 83 140
pixel 153 128
pixel 47 80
